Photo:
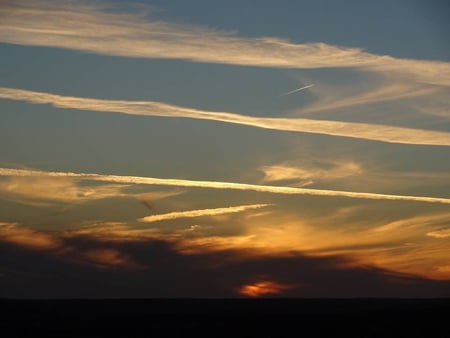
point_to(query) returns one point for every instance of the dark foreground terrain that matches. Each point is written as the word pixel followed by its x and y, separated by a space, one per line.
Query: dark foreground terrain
pixel 226 318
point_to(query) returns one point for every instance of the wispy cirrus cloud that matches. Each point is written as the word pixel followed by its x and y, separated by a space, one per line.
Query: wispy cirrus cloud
pixel 441 233
pixel 112 232
pixel 388 90
pixel 366 131
pixel 219 185
pixel 26 237
pixel 422 221
pixel 200 213
pixel 54 242
pixel 304 175
pixel 137 35
pixel 45 191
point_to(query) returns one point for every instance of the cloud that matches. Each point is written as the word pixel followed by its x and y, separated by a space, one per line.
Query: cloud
pixel 46 191
pixel 55 243
pixel 200 213
pixel 416 221
pixel 442 233
pixel 91 267
pixel 389 90
pixel 25 237
pixel 111 32
pixel 366 131
pixel 111 232
pixel 341 232
pixel 106 258
pixel 220 185
pixel 263 288
pixel 303 175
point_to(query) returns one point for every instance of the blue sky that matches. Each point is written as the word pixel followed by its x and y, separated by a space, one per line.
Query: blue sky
pixel 313 130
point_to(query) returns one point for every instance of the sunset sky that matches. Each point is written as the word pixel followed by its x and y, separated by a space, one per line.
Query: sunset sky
pixel 224 148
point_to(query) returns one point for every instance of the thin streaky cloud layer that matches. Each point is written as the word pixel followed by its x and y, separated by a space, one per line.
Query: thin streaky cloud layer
pixel 41 191
pixel 386 91
pixel 442 233
pixel 200 213
pixel 220 185
pixel 135 35
pixel 366 131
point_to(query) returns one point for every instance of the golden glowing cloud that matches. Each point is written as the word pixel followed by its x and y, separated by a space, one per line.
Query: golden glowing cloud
pixel 44 191
pixel 112 232
pixel 108 258
pixel 262 288
pixel 307 175
pixel 200 213
pixel 25 237
pixel 442 233
pixel 53 242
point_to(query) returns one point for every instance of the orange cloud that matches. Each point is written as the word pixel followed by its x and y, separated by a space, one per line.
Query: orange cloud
pixel 109 258
pixel 262 288
pixel 46 191
pixel 26 237
pixel 443 233
pixel 54 243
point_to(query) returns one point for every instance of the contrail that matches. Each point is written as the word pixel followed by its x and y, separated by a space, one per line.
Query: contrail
pixel 366 131
pixel 297 90
pixel 221 185
pixel 200 212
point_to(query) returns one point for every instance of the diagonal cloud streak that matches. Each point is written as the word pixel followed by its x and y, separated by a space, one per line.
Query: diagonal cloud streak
pixel 135 35
pixel 221 185
pixel 374 132
pixel 107 31
pixel 200 213
pixel 132 35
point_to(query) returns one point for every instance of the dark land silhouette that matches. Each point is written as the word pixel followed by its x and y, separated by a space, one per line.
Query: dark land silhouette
pixel 269 317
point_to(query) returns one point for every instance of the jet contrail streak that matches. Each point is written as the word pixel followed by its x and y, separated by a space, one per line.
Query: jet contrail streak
pixel 297 90
pixel 365 131
pixel 220 185
pixel 200 213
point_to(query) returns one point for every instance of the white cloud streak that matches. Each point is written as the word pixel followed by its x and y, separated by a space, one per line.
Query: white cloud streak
pixel 375 132
pixel 221 185
pixel 57 24
pixel 200 213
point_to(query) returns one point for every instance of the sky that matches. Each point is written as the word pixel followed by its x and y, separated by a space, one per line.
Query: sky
pixel 223 149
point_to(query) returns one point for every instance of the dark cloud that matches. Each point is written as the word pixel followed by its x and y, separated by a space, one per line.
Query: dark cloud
pixel 159 270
